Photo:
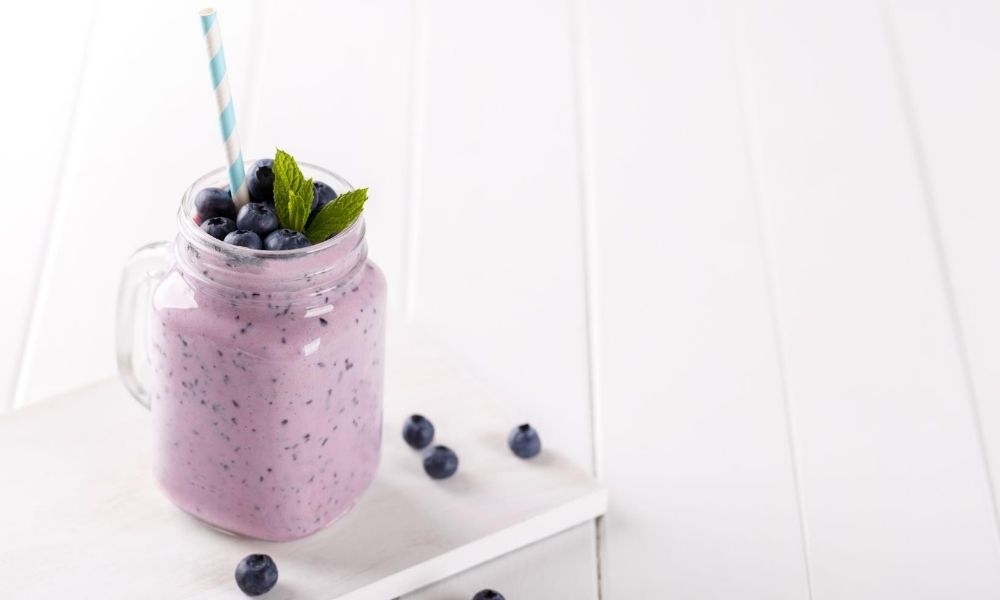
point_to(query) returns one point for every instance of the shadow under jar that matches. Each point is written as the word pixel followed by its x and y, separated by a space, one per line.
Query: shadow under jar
pixel 265 374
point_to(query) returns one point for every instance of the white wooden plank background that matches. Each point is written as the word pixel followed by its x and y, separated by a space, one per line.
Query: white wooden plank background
pixel 884 430
pixel 141 130
pixel 496 253
pixel 681 361
pixel 739 257
pixel 352 60
pixel 34 149
pixel 947 54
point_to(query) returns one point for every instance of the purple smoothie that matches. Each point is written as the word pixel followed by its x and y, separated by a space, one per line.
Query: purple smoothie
pixel 267 386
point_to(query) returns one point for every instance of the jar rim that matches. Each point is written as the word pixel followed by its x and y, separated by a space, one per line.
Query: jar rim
pixel 217 177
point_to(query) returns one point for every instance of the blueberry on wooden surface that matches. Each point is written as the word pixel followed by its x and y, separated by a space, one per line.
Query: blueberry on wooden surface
pixel 440 462
pixel 524 441
pixel 256 574
pixel 418 432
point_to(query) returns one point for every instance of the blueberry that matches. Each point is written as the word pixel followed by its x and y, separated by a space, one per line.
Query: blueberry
pixel 322 195
pixel 247 239
pixel 256 574
pixel 440 462
pixel 418 432
pixel 524 441
pixel 260 181
pixel 488 595
pixel 258 218
pixel 215 202
pixel 218 227
pixel 285 239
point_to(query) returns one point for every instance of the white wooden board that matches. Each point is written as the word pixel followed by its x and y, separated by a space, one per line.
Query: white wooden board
pixel 78 492
pixel 551 568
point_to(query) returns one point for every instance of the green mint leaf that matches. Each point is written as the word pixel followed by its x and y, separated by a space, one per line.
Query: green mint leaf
pixel 284 168
pixel 294 210
pixel 293 193
pixel 337 215
pixel 303 205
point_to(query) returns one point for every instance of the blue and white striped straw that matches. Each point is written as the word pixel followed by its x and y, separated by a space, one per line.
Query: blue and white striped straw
pixel 224 99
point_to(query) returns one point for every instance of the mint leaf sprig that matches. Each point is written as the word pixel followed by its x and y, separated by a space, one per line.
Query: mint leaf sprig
pixel 337 215
pixel 293 199
pixel 293 193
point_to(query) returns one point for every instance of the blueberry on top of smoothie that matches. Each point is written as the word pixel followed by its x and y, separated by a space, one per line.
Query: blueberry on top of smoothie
pixel 247 239
pixel 218 227
pixel 418 432
pixel 286 210
pixel 322 195
pixel 256 574
pixel 488 595
pixel 215 202
pixel 524 441
pixel 286 239
pixel 440 462
pixel 260 181
pixel 258 218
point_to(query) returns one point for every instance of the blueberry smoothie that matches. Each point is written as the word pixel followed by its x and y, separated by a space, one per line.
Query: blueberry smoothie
pixel 266 391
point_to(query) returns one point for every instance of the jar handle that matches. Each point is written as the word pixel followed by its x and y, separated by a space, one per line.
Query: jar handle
pixel 146 267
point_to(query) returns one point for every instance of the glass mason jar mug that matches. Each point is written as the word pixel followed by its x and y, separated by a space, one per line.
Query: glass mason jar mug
pixel 263 372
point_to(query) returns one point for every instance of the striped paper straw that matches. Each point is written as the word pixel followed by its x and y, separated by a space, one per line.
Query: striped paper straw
pixel 224 99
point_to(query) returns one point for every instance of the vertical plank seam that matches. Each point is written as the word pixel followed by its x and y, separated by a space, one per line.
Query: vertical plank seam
pixel 42 280
pixel 908 107
pixel 739 43
pixel 419 32
pixel 591 277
